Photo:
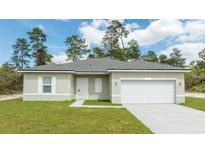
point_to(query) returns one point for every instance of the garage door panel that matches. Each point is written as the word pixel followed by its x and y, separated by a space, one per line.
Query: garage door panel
pixel 147 91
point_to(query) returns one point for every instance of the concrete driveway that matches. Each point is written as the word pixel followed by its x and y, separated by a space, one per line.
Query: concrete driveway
pixel 169 118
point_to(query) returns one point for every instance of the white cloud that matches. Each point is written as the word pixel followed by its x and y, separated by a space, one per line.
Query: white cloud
pixel 189 50
pixel 194 30
pixel 94 32
pixel 132 26
pixel 157 31
pixel 60 58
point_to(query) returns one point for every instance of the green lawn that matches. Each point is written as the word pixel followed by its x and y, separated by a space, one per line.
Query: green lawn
pixel 100 102
pixel 196 103
pixel 17 116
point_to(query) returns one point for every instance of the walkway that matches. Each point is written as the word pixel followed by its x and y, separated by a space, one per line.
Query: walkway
pixel 79 103
pixel 199 95
pixel 8 97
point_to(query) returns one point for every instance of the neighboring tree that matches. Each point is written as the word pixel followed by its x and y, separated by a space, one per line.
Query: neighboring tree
pixel 15 62
pixel 163 59
pixel 151 56
pixel 201 63
pixel 192 64
pixel 97 52
pixel 176 58
pixel 7 67
pixel 113 38
pixel 37 40
pixel 195 80
pixel 133 50
pixel 202 54
pixel 21 53
pixel 10 81
pixel 76 47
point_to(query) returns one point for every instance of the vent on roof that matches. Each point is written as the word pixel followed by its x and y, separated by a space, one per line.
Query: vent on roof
pixel 90 64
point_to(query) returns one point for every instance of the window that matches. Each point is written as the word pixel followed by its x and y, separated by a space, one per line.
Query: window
pixel 98 85
pixel 47 82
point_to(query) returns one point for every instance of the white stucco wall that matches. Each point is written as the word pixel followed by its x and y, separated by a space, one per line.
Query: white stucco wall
pixel 65 85
pixel 116 83
pixel 63 90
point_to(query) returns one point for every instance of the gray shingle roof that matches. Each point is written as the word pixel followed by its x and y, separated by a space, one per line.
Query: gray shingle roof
pixel 102 65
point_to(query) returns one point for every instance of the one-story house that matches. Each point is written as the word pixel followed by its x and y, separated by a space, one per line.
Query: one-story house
pixel 105 79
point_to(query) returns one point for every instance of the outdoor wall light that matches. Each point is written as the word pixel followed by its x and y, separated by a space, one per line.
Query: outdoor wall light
pixel 115 84
pixel 180 84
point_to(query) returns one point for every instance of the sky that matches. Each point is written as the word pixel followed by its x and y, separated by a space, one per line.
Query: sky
pixel 160 36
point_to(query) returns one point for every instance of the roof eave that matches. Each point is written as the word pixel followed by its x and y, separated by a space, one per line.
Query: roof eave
pixel 72 72
pixel 108 71
pixel 152 70
pixel 44 71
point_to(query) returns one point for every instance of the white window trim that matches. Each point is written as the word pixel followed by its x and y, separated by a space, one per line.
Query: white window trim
pixel 53 84
pixel 40 85
pixel 40 79
pixel 98 85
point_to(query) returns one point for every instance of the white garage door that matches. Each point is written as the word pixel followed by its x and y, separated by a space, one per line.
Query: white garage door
pixel 149 91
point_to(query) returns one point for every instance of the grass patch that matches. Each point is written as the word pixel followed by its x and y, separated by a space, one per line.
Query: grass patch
pixel 100 102
pixel 196 103
pixel 18 117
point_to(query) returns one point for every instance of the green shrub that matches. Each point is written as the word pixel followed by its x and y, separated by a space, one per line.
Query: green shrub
pixel 195 80
pixel 10 82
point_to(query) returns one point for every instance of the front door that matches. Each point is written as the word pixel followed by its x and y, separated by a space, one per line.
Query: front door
pixel 82 88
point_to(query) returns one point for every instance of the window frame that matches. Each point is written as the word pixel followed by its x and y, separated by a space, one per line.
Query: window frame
pixel 43 84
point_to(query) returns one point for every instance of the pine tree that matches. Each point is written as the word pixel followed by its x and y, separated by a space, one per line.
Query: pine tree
pixel 37 40
pixel 113 40
pixel 76 47
pixel 176 58
pixel 151 56
pixel 21 53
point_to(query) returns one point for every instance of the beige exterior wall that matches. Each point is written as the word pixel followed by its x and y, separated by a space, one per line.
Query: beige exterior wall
pixel 92 95
pixel 116 83
pixel 111 85
pixel 64 87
